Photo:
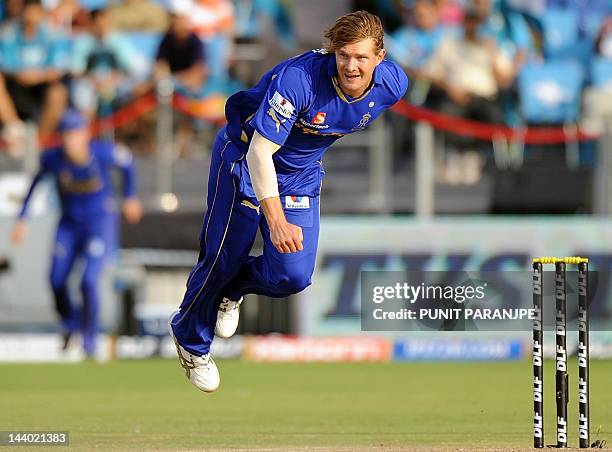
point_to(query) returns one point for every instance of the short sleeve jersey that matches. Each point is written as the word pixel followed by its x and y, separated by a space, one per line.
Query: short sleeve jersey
pixel 300 106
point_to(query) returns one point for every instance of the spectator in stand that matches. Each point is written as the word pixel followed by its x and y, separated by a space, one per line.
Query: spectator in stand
pixel 213 22
pixel 139 15
pixel 513 37
pixel 13 131
pixel 471 70
pixel 603 43
pixel 104 66
pixel 68 16
pixel 181 53
pixel 450 12
pixel 413 44
pixel 181 60
pixel 33 62
pixel 11 9
pixel 508 28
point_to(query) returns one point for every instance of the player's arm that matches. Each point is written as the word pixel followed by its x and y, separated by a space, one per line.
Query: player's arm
pixel 122 159
pixel 20 227
pixel 286 237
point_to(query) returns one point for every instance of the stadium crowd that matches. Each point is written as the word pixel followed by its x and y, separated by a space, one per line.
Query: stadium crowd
pixel 514 62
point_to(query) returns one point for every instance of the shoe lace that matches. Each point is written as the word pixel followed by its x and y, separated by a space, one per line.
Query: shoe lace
pixel 228 305
pixel 190 361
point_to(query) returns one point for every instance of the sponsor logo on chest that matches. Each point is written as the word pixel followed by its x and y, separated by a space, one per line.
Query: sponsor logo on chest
pixel 319 118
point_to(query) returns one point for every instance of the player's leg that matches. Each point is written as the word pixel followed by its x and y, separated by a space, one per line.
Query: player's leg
pixel 94 249
pixel 64 254
pixel 228 233
pixel 276 274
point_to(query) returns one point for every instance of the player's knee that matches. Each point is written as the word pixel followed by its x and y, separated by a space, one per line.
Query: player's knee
pixel 57 284
pixel 295 281
pixel 57 94
pixel 88 284
pixel 58 287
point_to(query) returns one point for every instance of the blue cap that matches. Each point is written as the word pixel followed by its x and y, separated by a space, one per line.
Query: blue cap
pixel 71 120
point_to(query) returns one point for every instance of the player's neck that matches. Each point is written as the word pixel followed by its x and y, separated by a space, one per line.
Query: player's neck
pixel 79 158
pixel 355 94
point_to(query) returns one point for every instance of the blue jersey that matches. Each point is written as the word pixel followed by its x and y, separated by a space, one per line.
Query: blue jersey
pixel 45 50
pixel 86 191
pixel 300 106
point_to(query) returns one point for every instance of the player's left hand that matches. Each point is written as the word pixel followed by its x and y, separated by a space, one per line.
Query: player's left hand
pixel 132 210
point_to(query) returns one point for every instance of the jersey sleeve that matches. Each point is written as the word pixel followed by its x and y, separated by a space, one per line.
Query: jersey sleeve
pixel 288 95
pixel 44 168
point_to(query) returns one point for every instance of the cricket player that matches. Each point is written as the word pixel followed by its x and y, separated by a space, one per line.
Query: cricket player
pixel 81 169
pixel 266 174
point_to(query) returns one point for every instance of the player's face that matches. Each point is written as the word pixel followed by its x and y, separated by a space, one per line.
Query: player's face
pixel 356 63
pixel 76 144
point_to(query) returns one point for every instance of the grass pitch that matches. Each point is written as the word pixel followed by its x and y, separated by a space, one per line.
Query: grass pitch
pixel 149 405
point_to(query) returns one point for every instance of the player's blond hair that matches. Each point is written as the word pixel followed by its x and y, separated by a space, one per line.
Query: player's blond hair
pixel 355 27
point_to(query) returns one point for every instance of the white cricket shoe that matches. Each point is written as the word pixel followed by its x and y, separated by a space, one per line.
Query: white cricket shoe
pixel 227 317
pixel 201 371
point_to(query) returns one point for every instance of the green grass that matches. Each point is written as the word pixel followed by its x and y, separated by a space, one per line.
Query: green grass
pixel 149 405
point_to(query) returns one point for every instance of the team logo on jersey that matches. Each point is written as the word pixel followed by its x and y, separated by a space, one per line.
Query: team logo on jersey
pixel 319 118
pixel 282 106
pixel 297 202
pixel 363 122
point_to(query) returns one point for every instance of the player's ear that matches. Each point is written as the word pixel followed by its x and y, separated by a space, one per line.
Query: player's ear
pixel 381 55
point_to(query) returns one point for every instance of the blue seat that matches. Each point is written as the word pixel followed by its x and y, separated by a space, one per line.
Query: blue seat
pixel 217 50
pixel 146 44
pixel 93 4
pixel 550 92
pixel 559 32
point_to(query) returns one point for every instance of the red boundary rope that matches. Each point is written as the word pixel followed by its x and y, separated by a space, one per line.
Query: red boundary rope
pixel 485 131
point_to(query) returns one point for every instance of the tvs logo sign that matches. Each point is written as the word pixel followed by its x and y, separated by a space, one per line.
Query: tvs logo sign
pixel 319 118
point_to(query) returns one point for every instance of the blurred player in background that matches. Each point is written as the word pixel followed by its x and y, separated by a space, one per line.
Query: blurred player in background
pixel 266 174
pixel 81 169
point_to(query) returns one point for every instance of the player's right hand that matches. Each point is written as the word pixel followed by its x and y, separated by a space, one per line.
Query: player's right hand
pixel 287 237
pixel 18 233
